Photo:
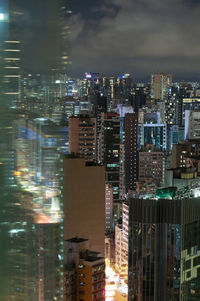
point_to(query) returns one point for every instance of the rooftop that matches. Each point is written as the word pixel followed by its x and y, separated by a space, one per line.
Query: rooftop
pixel 77 239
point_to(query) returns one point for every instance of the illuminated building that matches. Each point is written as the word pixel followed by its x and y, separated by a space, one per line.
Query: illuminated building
pixel 20 262
pixel 192 124
pixel 122 188
pixel 172 108
pixel 11 213
pixel 190 104
pixel 121 241
pixel 92 285
pixel 72 250
pixel 109 208
pixel 110 248
pixel 82 137
pixel 185 154
pixel 44 158
pixel 11 55
pixel 183 168
pixel 12 77
pixel 130 148
pixel 125 229
pixel 145 187
pixel 122 110
pixel 84 272
pixel 118 245
pixel 160 83
pixel 37 162
pixel 33 233
pixel 151 165
pixel 154 249
pixel 71 106
pixel 108 148
pixel 174 135
pixel 152 133
pixel 84 201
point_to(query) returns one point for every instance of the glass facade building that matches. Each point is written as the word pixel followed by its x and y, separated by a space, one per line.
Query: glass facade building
pixel 190 251
pixel 152 134
pixel 154 249
pixel 31 213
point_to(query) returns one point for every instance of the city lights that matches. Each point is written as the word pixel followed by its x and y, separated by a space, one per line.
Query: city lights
pixel 2 16
pixel 99 170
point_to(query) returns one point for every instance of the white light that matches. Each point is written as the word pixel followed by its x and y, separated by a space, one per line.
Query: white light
pixel 1 17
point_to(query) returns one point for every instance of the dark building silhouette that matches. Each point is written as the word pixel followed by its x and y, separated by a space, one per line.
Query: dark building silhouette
pixel 154 249
pixel 131 155
pixel 164 250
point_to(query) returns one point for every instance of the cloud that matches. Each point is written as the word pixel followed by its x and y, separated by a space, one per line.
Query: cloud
pixel 140 37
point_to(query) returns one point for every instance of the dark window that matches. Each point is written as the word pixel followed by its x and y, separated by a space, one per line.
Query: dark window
pixel 187 264
pixel 196 261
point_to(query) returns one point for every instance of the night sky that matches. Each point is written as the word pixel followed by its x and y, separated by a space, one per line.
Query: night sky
pixel 137 37
pixel 115 37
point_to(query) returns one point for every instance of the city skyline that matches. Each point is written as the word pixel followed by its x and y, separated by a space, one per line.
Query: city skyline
pixel 99 166
pixel 136 37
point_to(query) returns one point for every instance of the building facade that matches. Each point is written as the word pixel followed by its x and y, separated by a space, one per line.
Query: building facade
pixel 84 201
pixel 154 249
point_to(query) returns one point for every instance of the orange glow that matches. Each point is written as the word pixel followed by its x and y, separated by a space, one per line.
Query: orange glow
pixel 42 219
pixel 17 173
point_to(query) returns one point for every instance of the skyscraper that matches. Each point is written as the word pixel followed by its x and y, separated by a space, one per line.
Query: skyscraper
pixel 82 137
pixel 190 253
pixel 131 155
pixel 19 54
pixel 151 165
pixel 160 83
pixel 109 153
pixel 154 249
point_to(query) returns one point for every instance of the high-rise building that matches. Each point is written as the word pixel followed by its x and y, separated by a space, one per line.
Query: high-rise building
pixel 108 149
pixel 173 107
pixel 130 148
pixel 121 241
pixel 12 77
pixel 190 104
pixel 33 223
pixel 50 257
pixel 122 186
pixel 185 154
pixel 175 134
pixel 82 137
pixel 149 133
pixel 84 201
pixel 84 272
pixel 109 208
pixel 160 83
pixel 151 165
pixel 154 249
pixel 190 253
pixel 192 123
